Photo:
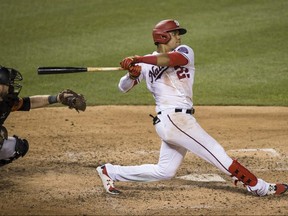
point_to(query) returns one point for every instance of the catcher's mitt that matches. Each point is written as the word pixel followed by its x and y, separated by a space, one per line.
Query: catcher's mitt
pixel 72 99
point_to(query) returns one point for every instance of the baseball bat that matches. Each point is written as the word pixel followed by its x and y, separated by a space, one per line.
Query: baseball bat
pixel 63 70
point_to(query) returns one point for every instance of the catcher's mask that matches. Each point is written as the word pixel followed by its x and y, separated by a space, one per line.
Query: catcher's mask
pixel 8 76
pixel 161 31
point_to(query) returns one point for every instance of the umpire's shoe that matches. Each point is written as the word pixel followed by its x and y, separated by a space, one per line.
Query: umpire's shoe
pixel 107 181
pixel 277 189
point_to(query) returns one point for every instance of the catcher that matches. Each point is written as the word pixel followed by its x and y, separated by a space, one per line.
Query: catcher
pixel 13 147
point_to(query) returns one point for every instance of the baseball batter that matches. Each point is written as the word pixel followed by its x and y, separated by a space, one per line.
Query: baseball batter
pixel 169 76
pixel 11 148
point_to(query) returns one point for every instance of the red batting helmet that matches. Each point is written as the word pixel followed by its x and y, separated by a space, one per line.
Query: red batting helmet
pixel 160 31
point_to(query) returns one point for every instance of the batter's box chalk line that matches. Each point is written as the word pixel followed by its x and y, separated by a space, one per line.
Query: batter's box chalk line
pixel 202 178
pixel 272 152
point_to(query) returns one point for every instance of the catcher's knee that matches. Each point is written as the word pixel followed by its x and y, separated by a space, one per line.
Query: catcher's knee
pixel 20 149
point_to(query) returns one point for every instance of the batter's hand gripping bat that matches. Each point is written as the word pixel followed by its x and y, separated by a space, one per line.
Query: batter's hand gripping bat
pixel 63 70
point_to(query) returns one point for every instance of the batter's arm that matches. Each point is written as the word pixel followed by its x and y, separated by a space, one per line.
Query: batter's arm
pixel 170 59
pixel 126 84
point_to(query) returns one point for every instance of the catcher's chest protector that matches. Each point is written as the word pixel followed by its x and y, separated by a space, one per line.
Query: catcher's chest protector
pixel 5 109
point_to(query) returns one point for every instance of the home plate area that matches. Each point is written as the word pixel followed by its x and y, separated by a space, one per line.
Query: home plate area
pixel 210 177
pixel 202 178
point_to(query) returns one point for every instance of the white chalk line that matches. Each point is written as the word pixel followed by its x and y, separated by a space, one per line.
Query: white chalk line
pixel 269 170
pixel 202 177
pixel 272 152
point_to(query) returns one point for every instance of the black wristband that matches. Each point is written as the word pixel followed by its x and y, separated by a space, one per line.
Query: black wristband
pixel 52 99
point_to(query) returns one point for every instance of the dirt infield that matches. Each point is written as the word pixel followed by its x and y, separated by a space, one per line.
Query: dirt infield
pixel 58 175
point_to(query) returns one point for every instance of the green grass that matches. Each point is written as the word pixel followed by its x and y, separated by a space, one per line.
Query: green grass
pixel 241 49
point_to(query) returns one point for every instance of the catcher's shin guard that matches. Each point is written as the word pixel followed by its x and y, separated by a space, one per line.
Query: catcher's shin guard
pixel 242 174
pixel 21 148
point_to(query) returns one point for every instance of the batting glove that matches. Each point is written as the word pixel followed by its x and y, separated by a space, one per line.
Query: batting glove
pixel 134 71
pixel 128 61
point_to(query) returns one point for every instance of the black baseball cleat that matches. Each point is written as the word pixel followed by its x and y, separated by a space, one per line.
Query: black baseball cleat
pixel 108 183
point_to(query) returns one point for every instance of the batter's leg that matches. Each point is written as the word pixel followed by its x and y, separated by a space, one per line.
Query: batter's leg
pixel 183 130
pixel 198 141
pixel 170 159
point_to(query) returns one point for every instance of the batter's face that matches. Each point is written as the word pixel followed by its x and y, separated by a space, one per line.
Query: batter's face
pixel 175 40
pixel 3 90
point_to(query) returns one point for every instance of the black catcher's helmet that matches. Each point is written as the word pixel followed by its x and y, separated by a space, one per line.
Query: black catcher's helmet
pixel 8 76
pixel 4 76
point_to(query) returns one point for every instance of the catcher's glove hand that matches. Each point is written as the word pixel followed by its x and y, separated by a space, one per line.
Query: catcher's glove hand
pixel 72 99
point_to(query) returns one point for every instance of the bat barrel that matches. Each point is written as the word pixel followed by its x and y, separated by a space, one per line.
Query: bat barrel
pixel 63 70
pixel 60 70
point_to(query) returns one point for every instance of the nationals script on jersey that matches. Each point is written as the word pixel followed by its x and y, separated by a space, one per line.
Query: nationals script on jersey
pixel 172 87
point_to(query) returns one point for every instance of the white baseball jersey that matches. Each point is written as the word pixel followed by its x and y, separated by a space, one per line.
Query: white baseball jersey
pixel 170 86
